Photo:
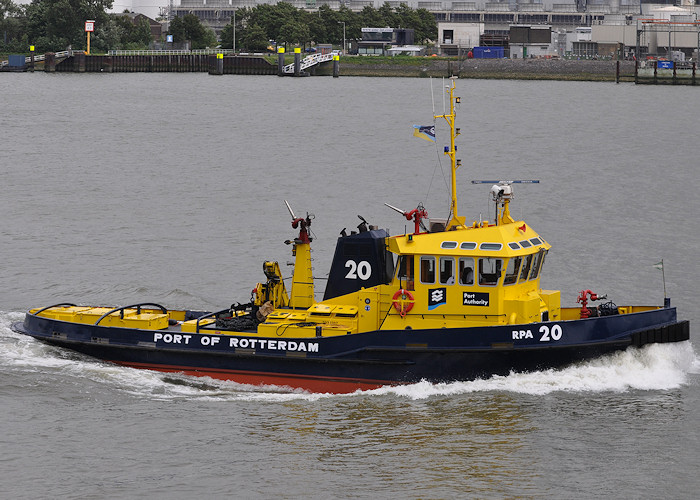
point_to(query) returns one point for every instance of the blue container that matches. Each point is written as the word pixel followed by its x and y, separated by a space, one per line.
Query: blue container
pixel 15 61
pixel 488 52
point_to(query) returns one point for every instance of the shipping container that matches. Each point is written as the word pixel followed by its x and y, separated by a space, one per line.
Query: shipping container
pixel 488 52
pixel 16 61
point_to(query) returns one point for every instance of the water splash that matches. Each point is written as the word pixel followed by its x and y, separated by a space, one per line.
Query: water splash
pixel 651 368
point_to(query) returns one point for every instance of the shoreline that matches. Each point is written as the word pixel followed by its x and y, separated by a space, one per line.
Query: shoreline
pixel 498 69
pixel 402 67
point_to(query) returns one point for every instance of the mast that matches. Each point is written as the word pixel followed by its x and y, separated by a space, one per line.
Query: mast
pixel 302 292
pixel 451 151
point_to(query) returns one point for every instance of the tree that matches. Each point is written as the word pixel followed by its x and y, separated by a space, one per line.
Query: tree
pixel 353 25
pixel 406 17
pixel 254 38
pixel 428 26
pixel 140 33
pixel 389 19
pixel 271 18
pixel 12 27
pixel 53 25
pixel 110 36
pixel 371 18
pixel 226 37
pixel 190 28
pixel 317 26
pixel 294 32
pixel 177 29
pixel 120 32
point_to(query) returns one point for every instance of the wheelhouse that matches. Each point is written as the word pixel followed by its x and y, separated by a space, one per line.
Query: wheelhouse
pixel 489 274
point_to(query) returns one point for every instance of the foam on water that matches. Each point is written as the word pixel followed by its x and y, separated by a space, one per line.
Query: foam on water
pixel 25 354
pixel 695 367
pixel 651 368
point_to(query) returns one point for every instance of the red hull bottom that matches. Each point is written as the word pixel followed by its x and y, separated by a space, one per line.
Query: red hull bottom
pixel 311 384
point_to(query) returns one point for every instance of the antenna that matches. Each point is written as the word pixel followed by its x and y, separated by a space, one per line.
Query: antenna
pixel 444 105
pixel 451 151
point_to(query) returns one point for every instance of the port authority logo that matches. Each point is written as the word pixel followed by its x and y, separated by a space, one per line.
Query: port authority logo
pixel 475 299
pixel 437 297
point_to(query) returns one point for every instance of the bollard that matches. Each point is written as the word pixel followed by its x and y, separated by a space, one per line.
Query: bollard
pixel 336 66
pixel 694 66
pixel 674 72
pixel 50 62
pixel 79 62
pixel 297 61
pixel 280 61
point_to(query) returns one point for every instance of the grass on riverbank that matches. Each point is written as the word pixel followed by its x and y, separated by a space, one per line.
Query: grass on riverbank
pixel 394 60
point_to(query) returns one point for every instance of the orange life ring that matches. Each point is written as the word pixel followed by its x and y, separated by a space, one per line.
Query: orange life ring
pixel 403 301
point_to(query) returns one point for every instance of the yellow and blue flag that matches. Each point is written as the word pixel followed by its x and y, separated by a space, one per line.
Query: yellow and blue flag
pixel 426 132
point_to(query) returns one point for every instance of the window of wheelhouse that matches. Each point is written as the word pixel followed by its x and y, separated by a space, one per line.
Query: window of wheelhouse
pixel 427 269
pixel 489 271
pixel 512 270
pixel 525 269
pixel 466 270
pixel 538 260
pixel 405 272
pixel 447 270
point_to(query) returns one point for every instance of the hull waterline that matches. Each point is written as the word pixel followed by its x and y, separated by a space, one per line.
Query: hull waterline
pixel 364 361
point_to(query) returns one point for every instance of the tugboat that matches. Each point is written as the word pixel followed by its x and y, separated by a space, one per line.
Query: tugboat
pixel 449 301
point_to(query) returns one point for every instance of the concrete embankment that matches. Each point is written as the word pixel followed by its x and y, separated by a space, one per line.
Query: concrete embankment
pixel 523 69
pixel 413 67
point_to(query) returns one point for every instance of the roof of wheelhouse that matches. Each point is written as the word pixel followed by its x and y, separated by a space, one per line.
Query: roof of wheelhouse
pixel 505 240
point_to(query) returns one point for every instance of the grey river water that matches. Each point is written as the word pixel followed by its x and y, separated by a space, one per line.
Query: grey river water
pixel 129 188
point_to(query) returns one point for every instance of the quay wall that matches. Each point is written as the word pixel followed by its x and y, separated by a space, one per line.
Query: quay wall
pixel 170 63
pixel 523 69
pixel 519 69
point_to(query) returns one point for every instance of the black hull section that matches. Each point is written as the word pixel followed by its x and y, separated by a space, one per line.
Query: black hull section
pixel 346 363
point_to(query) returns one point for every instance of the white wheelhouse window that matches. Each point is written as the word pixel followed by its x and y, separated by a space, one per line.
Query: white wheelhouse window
pixel 525 272
pixel 512 270
pixel 489 271
pixel 427 270
pixel 466 271
pixel 447 270
pixel 538 260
